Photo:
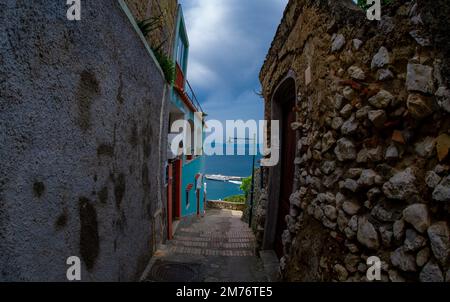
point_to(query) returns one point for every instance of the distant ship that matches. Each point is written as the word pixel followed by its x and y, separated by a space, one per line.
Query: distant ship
pixel 233 179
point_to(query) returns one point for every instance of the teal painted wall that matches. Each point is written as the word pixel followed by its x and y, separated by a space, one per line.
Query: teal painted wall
pixel 190 170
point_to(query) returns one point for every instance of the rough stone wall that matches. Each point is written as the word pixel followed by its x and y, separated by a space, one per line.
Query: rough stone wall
pixel 372 166
pixel 81 151
pixel 167 10
pixel 259 207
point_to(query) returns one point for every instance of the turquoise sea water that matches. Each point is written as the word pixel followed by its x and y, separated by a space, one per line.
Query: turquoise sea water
pixel 235 165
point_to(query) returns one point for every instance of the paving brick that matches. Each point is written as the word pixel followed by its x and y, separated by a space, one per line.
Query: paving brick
pixel 216 237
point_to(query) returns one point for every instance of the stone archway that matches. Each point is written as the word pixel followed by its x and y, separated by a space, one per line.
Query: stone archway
pixel 281 177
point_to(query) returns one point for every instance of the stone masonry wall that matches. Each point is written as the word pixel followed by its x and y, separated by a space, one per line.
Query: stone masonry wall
pixel 372 163
pixel 167 10
pixel 82 106
pixel 258 210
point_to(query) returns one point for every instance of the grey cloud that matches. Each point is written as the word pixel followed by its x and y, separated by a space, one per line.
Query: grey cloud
pixel 228 43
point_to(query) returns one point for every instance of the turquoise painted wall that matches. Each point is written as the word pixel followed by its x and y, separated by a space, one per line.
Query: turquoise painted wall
pixel 196 166
pixel 190 170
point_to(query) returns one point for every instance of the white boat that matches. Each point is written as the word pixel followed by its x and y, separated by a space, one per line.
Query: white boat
pixel 216 177
pixel 224 178
pixel 236 182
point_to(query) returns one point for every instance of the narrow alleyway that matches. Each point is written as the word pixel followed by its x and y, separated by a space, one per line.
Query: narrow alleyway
pixel 216 248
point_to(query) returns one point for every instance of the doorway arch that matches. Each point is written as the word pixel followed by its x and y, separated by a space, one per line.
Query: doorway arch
pixel 281 177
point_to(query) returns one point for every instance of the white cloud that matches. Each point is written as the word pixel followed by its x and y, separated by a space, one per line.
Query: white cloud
pixel 198 72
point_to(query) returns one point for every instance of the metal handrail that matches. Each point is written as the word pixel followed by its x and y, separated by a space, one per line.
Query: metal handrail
pixel 182 83
pixel 193 97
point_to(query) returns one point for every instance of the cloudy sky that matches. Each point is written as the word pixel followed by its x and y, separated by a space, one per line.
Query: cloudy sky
pixel 229 40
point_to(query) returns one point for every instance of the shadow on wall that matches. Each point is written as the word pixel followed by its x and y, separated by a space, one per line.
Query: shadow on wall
pixel 80 121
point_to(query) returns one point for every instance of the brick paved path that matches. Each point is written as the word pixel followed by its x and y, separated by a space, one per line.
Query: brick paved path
pixel 220 244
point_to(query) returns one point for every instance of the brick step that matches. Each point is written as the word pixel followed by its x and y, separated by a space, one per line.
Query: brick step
pixel 211 239
pixel 237 235
pixel 211 252
pixel 213 244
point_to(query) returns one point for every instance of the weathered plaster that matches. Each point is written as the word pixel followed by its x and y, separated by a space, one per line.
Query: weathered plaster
pixel 82 151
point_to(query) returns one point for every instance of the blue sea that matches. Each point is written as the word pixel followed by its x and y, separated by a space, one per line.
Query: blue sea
pixel 234 165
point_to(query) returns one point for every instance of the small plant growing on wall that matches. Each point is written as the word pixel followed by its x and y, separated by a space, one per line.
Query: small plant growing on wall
pixel 167 65
pixel 148 26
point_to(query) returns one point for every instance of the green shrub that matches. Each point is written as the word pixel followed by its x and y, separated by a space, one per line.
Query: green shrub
pixel 236 199
pixel 246 186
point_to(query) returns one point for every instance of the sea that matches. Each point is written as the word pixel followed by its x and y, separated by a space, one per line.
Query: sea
pixel 229 165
